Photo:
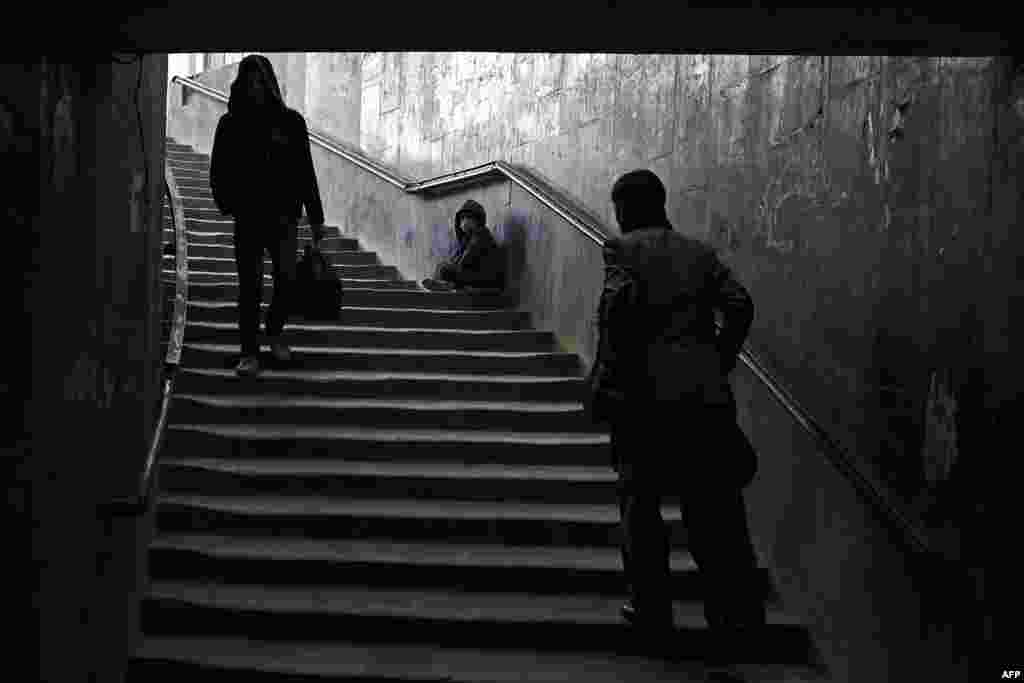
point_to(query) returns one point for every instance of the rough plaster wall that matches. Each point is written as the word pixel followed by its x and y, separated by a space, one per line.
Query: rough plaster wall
pixel 333 91
pixel 786 163
pixel 91 357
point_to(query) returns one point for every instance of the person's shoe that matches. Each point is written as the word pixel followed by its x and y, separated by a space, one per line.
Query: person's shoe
pixel 280 352
pixel 248 366
pixel 432 285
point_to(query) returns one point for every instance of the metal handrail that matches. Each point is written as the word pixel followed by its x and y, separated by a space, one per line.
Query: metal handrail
pixel 440 183
pixel 138 503
pixel 836 454
pixel 593 230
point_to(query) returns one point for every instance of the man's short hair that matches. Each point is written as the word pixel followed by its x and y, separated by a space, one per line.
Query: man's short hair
pixel 641 188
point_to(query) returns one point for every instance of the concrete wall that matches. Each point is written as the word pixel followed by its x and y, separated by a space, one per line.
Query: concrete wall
pixel 87 365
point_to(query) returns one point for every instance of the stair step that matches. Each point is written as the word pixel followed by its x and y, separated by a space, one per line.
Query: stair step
pixel 227 265
pixel 366 384
pixel 226 311
pixel 170 659
pixel 446 618
pixel 313 516
pixel 358 271
pixel 220 224
pixel 375 479
pixel 198 249
pixel 410 412
pixel 198 203
pixel 207 211
pixel 224 244
pixel 202 220
pixel 203 212
pixel 197 162
pixel 195 173
pixel 311 334
pixel 384 563
pixel 194 187
pixel 180 155
pixel 545 363
pixel 390 444
pixel 348 284
pixel 376 298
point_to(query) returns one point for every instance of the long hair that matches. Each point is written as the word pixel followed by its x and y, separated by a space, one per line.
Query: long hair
pixel 240 102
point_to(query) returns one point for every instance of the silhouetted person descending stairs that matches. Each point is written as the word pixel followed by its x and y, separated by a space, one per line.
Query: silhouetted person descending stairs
pixel 261 173
pixel 661 381
pixel 477 262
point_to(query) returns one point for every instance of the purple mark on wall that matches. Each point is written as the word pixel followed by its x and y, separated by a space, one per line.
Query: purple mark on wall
pixel 442 240
pixel 408 235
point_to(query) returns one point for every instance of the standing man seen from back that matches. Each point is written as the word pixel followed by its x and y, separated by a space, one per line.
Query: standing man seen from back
pixel 661 382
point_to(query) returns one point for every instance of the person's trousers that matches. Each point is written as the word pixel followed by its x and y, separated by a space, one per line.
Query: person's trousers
pixel 448 272
pixel 253 237
pixel 718 538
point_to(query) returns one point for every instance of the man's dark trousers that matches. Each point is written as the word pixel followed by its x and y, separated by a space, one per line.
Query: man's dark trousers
pixel 714 514
pixel 254 236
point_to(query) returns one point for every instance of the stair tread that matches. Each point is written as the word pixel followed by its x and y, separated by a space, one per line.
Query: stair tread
pixel 442 312
pixel 368 350
pixel 231 259
pixel 325 376
pixel 269 276
pixel 448 605
pixel 194 234
pixel 360 433
pixel 262 400
pixel 328 327
pixel 416 553
pixel 405 508
pixel 409 298
pixel 447 470
pixel 430 662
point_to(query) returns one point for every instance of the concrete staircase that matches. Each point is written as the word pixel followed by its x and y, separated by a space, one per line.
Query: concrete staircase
pixel 416 497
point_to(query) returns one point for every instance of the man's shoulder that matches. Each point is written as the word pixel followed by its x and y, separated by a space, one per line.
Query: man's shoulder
pixel 639 242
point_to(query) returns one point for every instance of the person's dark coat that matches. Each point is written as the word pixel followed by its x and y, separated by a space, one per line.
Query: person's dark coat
pixel 477 259
pixel 261 163
pixel 659 356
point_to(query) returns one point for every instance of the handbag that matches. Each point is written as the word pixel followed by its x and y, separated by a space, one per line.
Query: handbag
pixel 318 289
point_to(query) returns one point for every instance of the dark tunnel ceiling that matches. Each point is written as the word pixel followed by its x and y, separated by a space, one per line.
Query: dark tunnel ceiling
pixel 189 26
